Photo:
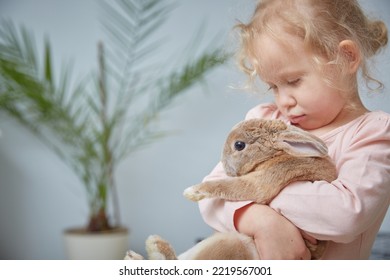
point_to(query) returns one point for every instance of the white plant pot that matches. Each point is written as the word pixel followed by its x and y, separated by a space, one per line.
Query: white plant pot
pixel 108 245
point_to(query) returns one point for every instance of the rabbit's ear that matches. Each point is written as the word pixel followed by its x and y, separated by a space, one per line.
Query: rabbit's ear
pixel 298 142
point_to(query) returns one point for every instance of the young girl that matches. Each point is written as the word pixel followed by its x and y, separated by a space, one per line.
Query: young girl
pixel 309 52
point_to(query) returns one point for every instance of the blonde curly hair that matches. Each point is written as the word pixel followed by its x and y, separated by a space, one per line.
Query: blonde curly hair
pixel 322 25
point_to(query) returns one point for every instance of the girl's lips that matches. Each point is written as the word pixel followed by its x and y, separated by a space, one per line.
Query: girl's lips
pixel 296 119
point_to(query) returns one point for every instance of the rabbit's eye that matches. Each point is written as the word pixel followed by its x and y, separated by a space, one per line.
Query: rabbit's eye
pixel 239 145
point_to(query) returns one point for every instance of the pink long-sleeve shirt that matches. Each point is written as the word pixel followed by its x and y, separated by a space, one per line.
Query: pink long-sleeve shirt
pixel 347 211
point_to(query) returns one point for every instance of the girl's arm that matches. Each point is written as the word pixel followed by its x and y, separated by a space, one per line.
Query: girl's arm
pixel 275 237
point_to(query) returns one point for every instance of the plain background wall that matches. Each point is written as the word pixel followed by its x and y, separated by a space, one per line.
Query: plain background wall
pixel 40 196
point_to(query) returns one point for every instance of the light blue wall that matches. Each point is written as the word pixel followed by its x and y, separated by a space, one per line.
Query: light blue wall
pixel 40 196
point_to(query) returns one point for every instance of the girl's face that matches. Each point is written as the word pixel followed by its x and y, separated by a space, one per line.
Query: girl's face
pixel 301 93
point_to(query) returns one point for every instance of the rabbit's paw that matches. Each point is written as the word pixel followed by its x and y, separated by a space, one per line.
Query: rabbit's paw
pixel 131 255
pixel 159 249
pixel 194 193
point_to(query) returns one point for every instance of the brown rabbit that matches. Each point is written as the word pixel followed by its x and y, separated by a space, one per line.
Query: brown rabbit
pixel 260 157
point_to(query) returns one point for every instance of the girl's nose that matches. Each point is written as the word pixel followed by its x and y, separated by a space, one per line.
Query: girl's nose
pixel 286 99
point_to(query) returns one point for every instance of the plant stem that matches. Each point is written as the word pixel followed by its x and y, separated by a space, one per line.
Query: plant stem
pixel 108 168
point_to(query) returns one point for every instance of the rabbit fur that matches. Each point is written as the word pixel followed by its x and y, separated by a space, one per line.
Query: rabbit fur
pixel 260 157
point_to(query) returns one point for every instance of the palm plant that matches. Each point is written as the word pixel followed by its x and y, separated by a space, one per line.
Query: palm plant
pixel 94 126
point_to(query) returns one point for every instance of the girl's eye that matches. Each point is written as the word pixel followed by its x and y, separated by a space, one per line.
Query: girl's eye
pixel 293 82
pixel 272 87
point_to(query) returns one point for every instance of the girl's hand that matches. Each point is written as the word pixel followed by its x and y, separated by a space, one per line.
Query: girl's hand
pixel 275 237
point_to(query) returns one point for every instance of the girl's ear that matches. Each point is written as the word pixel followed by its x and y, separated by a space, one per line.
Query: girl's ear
pixel 300 143
pixel 351 53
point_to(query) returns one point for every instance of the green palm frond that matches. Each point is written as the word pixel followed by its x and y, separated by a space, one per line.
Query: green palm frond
pixel 93 127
